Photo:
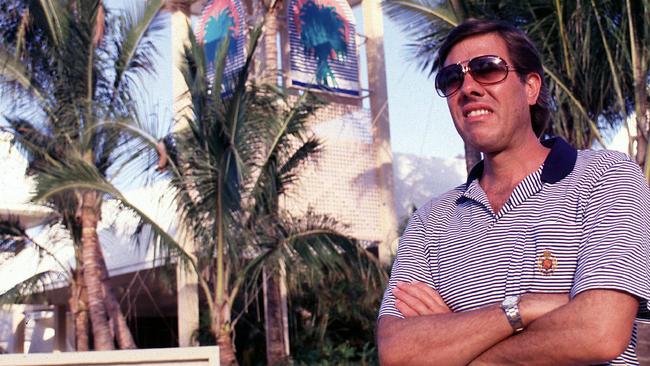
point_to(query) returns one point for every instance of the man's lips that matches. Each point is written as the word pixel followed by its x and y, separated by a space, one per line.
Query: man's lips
pixel 476 110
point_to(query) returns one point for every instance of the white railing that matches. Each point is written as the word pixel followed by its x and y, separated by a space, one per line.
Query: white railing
pixel 189 356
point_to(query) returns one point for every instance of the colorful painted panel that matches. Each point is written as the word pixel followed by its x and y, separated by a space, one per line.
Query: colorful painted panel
pixel 220 19
pixel 323 51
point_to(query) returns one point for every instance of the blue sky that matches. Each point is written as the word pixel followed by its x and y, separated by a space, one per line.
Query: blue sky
pixel 419 118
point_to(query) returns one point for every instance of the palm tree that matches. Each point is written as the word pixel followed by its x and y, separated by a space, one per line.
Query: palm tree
pixel 239 153
pixel 77 81
pixel 254 143
pixel 625 36
pixel 590 93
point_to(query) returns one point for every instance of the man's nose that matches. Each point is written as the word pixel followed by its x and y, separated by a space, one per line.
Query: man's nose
pixel 471 86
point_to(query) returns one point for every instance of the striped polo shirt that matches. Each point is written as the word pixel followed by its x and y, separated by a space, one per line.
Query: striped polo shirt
pixel 580 222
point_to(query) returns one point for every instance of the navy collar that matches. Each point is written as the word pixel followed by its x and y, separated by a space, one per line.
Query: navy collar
pixel 558 164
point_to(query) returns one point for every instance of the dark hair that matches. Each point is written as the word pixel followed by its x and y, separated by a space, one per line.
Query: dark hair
pixel 522 51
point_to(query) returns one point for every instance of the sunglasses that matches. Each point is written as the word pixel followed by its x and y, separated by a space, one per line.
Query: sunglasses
pixel 485 70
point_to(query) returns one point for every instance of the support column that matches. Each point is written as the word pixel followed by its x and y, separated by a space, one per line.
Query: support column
pixel 267 56
pixel 186 279
pixel 182 102
pixel 188 306
pixel 18 327
pixel 373 26
pixel 60 325
pixel 276 322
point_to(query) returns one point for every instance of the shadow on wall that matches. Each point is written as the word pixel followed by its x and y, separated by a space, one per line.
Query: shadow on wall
pixel 419 179
pixel 6 329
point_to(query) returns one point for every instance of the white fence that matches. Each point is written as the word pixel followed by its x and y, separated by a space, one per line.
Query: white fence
pixel 190 356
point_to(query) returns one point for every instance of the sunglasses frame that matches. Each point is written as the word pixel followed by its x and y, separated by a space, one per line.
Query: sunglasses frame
pixel 465 69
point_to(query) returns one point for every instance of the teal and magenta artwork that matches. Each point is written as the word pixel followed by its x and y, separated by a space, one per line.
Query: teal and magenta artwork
pixel 221 20
pixel 323 53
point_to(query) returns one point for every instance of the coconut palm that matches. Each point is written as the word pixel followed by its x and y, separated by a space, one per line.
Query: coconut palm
pixel 75 81
pixel 625 35
pixel 254 143
pixel 227 170
pixel 590 93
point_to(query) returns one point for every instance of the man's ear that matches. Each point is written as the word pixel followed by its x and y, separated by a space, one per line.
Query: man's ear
pixel 533 87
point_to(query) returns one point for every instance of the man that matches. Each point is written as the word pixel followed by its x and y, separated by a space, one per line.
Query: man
pixel 542 257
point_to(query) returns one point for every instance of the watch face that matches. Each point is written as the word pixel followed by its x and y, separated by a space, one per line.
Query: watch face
pixel 510 301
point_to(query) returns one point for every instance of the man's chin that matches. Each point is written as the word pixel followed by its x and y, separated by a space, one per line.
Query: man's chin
pixel 485 144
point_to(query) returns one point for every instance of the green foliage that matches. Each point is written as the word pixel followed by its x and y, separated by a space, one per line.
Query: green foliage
pixel 334 323
pixel 333 311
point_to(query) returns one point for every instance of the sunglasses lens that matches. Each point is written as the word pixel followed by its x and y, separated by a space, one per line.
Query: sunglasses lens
pixel 488 69
pixel 449 79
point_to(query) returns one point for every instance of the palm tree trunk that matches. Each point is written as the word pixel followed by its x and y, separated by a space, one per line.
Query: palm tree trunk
pixel 116 318
pixel 221 327
pixel 121 328
pixel 79 307
pixel 223 334
pixel 92 271
pixel 274 319
pixel 639 76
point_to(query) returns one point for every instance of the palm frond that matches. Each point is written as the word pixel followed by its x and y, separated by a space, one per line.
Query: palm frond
pixel 30 289
pixel 314 242
pixel 134 48
pixel 51 16
pixel 78 174
pixel 285 144
pixel 426 22
pixel 289 171
pixel 234 109
pixel 13 71
pixel 13 237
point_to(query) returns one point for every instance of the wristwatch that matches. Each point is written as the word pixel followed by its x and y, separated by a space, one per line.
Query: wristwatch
pixel 510 306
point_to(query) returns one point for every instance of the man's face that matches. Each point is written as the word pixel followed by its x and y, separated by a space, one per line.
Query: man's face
pixel 491 117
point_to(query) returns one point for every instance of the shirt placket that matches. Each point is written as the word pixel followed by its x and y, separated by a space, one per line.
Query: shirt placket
pixel 518 259
pixel 531 185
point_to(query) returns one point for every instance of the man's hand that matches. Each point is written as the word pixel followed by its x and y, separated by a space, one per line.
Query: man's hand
pixel 417 298
pixel 465 338
pixel 593 328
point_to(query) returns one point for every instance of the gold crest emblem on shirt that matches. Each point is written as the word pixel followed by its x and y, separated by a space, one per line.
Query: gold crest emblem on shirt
pixel 547 263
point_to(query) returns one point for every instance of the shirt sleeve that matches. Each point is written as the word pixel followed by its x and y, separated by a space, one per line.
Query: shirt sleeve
pixel 614 251
pixel 410 264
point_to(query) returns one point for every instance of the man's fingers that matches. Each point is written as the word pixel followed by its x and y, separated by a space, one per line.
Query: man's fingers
pixel 426 295
pixel 421 298
pixel 413 302
pixel 418 293
pixel 406 310
pixel 431 292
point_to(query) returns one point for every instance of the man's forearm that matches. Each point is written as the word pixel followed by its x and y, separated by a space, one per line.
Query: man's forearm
pixel 595 327
pixel 449 339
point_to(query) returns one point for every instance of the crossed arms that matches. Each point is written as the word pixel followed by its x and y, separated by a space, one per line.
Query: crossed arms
pixel 593 327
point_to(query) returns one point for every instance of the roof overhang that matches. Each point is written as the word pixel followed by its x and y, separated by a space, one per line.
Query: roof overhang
pixel 29 215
